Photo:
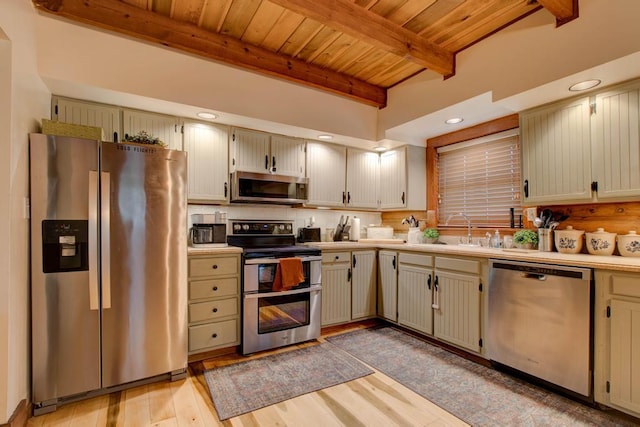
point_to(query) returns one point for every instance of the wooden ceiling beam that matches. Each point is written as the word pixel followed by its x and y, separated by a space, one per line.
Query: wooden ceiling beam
pixel 563 10
pixel 117 16
pixel 349 18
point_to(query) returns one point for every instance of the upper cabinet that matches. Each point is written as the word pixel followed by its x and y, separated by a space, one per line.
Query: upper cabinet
pixel 616 143
pixel 88 114
pixel 363 179
pixel 207 150
pixel 326 170
pixel 166 128
pixel 259 152
pixel 403 178
pixel 556 153
pixel 583 150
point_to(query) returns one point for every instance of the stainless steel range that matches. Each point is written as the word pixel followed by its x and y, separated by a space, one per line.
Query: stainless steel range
pixel 274 315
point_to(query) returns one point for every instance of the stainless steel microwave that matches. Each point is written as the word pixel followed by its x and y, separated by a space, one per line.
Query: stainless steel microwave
pixel 250 187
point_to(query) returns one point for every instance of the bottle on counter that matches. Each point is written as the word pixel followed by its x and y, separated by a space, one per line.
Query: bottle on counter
pixel 495 241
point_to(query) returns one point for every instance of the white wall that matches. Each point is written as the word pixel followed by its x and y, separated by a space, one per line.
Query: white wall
pixel 94 58
pixel 523 56
pixel 23 101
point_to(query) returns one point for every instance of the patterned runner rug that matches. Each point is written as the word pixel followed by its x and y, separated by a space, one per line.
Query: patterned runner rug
pixel 474 393
pixel 247 386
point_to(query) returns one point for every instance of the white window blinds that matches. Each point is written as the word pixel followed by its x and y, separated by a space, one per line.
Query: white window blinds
pixel 481 178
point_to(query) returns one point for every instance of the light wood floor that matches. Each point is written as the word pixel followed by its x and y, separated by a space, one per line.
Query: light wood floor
pixel 374 400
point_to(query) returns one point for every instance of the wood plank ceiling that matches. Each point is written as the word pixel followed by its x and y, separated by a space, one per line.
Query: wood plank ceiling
pixel 355 48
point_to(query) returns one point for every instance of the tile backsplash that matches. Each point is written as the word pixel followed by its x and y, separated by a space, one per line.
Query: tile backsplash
pixel 302 217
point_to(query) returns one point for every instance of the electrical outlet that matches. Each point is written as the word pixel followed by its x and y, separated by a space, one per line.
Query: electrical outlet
pixel 532 213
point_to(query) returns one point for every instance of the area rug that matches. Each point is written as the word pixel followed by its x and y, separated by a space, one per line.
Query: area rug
pixel 476 394
pixel 247 386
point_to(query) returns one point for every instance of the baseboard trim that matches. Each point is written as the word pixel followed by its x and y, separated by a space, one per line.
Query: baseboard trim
pixel 20 415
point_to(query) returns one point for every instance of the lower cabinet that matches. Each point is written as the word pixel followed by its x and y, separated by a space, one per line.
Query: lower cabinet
pixel 415 290
pixel 348 286
pixel 388 285
pixel 456 302
pixel 617 341
pixel 214 302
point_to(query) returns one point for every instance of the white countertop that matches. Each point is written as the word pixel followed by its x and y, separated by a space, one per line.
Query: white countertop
pixel 612 262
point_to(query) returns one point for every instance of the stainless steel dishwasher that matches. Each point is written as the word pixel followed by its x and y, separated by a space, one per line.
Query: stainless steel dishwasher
pixel 539 322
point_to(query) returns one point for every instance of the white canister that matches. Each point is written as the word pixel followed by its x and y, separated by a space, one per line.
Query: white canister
pixel 569 241
pixel 354 233
pixel 600 242
pixel 414 235
pixel 629 244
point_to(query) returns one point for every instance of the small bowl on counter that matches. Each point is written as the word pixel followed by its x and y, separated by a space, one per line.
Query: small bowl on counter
pixel 600 242
pixel 629 244
pixel 569 241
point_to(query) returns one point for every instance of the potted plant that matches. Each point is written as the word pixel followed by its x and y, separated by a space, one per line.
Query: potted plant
pixel 143 137
pixel 525 239
pixel 431 235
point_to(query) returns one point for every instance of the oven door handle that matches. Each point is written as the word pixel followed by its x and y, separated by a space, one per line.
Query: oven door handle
pixel 310 289
pixel 277 261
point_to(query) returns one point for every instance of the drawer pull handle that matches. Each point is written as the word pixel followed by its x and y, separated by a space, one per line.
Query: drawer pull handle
pixel 215 288
pixel 215 310
pixel 215 266
pixel 214 335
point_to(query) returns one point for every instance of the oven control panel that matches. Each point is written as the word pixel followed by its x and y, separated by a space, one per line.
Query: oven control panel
pixel 240 227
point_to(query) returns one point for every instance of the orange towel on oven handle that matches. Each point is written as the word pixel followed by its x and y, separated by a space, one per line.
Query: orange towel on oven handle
pixel 289 273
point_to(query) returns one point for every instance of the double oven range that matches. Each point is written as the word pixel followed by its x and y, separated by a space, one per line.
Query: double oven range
pixel 273 317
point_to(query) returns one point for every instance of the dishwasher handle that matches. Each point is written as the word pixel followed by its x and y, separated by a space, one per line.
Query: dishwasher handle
pixel 535 276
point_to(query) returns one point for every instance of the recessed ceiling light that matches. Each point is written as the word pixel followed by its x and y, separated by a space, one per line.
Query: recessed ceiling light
pixel 325 137
pixel 587 84
pixel 205 115
pixel 379 148
pixel 454 120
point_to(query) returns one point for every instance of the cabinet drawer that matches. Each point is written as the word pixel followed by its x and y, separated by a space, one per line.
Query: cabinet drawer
pixel 415 259
pixel 336 257
pixel 214 288
pixel 215 266
pixel 625 284
pixel 211 310
pixel 217 334
pixel 456 264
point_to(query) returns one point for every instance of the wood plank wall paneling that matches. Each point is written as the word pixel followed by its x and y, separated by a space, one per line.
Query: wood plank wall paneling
pixel 614 217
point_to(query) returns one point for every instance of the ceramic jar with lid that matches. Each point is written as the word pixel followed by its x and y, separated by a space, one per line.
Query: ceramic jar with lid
pixel 600 242
pixel 569 241
pixel 629 244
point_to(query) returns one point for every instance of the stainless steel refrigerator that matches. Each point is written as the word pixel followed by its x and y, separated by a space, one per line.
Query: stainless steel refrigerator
pixel 108 257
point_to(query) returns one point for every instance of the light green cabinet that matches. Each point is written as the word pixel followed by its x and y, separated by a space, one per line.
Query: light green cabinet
pixel 166 128
pixel 348 286
pixel 617 341
pixel 207 148
pixel 363 284
pixel 457 302
pixel 326 170
pixel 556 153
pixel 260 152
pixel 363 179
pixel 616 143
pixel 84 113
pixel 388 285
pixel 415 291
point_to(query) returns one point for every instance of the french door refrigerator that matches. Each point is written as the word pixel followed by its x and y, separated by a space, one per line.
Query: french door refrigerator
pixel 108 259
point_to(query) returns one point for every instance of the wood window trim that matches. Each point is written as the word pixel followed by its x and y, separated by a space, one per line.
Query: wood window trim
pixel 477 131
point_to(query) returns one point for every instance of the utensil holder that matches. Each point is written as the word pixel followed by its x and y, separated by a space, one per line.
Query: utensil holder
pixel 545 239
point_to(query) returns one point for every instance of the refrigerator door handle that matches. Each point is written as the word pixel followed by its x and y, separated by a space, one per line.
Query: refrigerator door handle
pixel 93 241
pixel 105 226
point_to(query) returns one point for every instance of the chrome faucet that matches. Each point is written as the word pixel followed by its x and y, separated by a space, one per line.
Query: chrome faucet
pixel 468 224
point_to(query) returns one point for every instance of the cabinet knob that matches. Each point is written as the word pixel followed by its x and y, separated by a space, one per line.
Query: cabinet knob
pixel 214 335
pixel 215 310
pixel 214 266
pixel 337 257
pixel 215 288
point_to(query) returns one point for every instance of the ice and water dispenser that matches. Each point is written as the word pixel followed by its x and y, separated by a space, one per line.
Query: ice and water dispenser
pixel 65 245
